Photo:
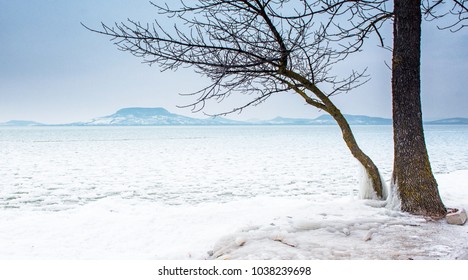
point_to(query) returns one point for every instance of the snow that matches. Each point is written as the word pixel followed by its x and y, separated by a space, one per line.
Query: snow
pixel 214 193
pixel 256 228
pixel 354 229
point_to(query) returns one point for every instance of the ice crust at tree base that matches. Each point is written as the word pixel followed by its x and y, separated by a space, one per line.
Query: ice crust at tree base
pixel 366 190
pixel 393 199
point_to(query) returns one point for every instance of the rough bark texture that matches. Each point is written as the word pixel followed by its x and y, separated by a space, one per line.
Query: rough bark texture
pixel 412 174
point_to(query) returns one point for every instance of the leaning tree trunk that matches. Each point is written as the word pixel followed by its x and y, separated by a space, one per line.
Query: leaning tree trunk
pixel 412 175
pixel 371 169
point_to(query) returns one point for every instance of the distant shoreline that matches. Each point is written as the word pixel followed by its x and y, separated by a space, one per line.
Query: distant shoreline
pixel 161 117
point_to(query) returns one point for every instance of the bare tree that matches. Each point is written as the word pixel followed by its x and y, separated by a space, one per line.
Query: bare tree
pixel 257 48
pixel 412 173
pixel 412 178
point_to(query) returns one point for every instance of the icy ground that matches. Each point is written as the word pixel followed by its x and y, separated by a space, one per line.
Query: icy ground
pixel 353 229
pixel 258 228
pixel 227 193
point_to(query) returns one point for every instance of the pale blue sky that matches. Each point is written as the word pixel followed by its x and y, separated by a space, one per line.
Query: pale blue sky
pixel 52 70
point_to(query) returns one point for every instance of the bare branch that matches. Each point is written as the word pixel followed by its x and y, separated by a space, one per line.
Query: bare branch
pixel 259 48
pixel 454 11
pixel 249 47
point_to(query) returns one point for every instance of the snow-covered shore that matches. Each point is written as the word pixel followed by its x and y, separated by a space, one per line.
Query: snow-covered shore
pixel 255 228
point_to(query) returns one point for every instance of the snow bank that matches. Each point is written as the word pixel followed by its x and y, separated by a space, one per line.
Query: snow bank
pixel 355 229
pixel 116 228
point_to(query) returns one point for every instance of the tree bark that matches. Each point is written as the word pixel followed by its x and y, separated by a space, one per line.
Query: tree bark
pixel 371 169
pixel 412 174
pixel 348 136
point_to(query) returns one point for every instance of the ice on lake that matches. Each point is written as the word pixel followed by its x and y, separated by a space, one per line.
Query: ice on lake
pixel 177 192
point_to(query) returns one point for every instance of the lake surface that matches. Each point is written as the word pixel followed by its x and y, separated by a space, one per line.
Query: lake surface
pixel 61 168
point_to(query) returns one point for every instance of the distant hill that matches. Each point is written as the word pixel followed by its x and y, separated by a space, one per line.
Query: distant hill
pixel 450 121
pixel 354 120
pixel 286 121
pixel 161 117
pixel 21 123
pixel 152 117
pixel 328 120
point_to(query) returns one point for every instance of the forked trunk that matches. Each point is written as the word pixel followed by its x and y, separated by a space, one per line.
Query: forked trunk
pixel 412 174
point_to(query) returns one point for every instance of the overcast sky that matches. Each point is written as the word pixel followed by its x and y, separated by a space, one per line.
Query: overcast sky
pixel 52 70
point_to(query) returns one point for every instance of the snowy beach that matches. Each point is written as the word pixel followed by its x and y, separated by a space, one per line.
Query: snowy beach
pixel 254 192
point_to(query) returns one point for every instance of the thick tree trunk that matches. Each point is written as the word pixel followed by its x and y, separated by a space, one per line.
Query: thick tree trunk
pixel 412 174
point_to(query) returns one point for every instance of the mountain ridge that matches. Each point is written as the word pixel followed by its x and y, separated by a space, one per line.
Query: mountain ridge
pixel 21 123
pixel 158 116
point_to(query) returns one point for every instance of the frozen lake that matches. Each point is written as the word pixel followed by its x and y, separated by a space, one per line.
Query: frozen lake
pixel 58 168
pixel 244 192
